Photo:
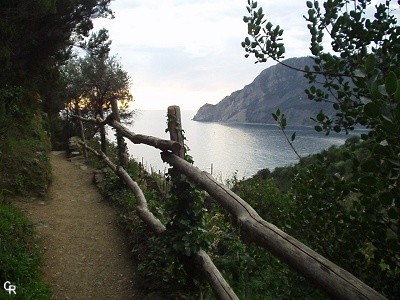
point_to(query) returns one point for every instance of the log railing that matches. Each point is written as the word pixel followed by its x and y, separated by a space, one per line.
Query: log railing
pixel 330 278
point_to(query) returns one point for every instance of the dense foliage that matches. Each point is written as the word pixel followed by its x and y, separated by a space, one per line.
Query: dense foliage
pixel 96 79
pixel 350 217
pixel 36 37
pixel 38 34
pixel 24 146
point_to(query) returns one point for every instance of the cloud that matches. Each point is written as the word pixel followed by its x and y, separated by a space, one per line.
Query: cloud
pixel 190 50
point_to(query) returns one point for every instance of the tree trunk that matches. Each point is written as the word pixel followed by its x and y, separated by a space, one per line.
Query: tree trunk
pixel 121 145
pixel 103 140
pixel 82 133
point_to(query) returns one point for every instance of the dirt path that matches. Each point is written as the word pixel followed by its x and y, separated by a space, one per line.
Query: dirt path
pixel 86 255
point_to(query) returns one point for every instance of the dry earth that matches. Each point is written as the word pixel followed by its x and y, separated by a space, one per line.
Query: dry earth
pixel 86 253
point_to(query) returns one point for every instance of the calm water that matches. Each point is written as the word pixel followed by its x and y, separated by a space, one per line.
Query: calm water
pixel 245 148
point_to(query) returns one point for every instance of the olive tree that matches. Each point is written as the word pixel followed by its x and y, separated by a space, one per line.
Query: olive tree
pixel 97 84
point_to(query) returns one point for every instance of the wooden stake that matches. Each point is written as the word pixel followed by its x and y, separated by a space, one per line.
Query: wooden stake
pixel 175 129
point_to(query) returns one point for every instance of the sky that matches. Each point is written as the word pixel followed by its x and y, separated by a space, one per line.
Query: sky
pixel 188 52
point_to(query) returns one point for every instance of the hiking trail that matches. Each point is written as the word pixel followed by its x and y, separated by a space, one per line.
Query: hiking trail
pixel 86 253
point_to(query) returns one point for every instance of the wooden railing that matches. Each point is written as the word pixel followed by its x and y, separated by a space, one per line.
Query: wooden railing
pixel 330 278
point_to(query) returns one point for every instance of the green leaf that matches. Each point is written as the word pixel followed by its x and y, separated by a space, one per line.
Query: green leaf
pixel 386 198
pixel 397 202
pixel 397 93
pixel 309 4
pixel 370 63
pixel 368 180
pixel 369 165
pixel 374 89
pixel 371 110
pixel 318 128
pixel 321 117
pixel 393 214
pixel 391 83
pixel 283 122
pixel 293 136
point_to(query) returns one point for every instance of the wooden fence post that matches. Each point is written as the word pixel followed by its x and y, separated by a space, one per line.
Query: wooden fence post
pixel 182 206
pixel 175 129
pixel 199 260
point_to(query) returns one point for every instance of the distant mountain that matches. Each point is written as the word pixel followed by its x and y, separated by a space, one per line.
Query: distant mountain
pixel 275 87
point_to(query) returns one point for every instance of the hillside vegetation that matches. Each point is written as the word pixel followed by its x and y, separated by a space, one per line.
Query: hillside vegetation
pixel 25 146
pixel 36 39
pixel 313 201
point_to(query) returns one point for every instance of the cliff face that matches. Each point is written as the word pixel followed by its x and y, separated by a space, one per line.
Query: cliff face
pixel 275 87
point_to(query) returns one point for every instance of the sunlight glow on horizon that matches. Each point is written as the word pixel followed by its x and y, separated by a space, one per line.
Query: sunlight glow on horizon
pixel 189 53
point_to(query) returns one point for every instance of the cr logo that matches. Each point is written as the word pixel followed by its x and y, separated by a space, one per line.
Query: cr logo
pixel 10 288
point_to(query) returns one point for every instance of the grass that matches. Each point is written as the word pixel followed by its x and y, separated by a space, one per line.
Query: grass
pixel 20 256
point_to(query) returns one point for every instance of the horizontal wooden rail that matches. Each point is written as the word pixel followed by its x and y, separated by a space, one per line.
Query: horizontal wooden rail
pixel 142 208
pixel 155 142
pixel 335 281
pixel 217 282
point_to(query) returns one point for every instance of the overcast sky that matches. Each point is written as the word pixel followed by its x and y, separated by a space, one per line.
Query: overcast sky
pixel 188 52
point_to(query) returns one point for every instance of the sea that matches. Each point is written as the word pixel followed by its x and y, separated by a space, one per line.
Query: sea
pixel 228 149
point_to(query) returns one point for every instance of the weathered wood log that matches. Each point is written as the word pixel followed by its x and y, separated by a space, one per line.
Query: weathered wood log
pixel 175 129
pixel 145 139
pixel 218 284
pixel 98 121
pixel 335 281
pixel 155 142
pixel 142 208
